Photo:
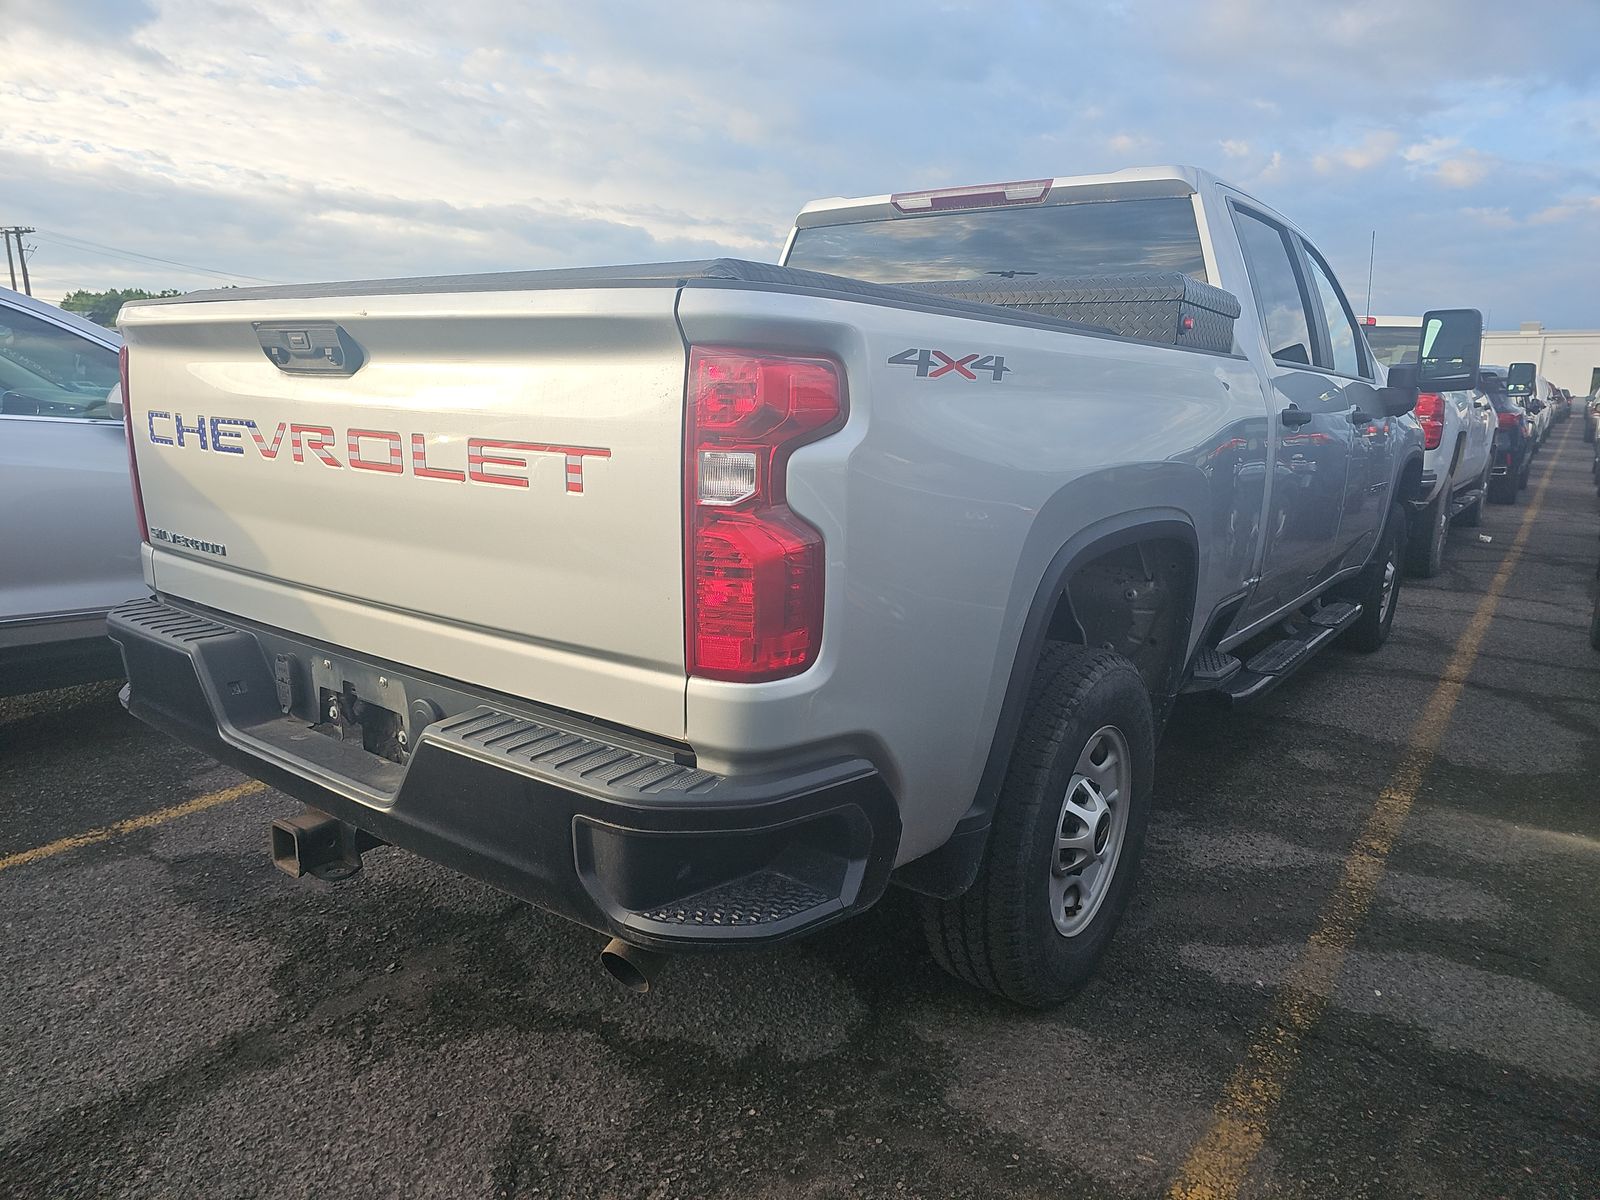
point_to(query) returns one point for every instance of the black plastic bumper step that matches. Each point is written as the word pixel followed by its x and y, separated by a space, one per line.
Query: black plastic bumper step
pixel 760 898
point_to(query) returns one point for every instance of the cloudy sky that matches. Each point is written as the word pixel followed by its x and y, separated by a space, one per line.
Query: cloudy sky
pixel 285 141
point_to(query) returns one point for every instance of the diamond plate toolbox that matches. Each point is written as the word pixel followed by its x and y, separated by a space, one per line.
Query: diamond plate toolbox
pixel 1166 306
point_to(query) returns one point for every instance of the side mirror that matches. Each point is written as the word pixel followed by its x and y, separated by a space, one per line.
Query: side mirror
pixel 1519 379
pixel 1451 349
pixel 1400 396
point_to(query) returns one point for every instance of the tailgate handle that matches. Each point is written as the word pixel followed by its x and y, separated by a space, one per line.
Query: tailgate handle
pixel 320 348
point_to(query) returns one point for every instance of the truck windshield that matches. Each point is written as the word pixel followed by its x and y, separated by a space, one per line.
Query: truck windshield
pixel 1050 240
pixel 1394 344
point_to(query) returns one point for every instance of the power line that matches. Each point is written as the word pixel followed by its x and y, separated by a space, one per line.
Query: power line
pixel 74 242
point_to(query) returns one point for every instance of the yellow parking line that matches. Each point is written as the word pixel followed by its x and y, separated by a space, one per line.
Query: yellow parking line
pixel 132 824
pixel 1218 1164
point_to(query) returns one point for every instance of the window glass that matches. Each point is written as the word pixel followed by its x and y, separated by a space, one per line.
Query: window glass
pixel 1336 320
pixel 48 371
pixel 1394 344
pixel 1053 240
pixel 1277 289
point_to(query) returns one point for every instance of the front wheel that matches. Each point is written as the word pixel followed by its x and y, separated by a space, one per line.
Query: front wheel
pixel 1377 588
pixel 1067 835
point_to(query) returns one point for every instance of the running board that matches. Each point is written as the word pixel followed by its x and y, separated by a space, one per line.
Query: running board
pixel 1225 676
pixel 1461 501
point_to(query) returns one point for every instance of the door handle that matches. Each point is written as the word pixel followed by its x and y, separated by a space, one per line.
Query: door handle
pixel 1357 417
pixel 1294 417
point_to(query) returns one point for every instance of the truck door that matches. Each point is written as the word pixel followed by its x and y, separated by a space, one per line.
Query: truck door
pixel 1310 421
pixel 1346 365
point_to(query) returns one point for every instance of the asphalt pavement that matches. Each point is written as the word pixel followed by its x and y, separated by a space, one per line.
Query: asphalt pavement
pixel 177 1018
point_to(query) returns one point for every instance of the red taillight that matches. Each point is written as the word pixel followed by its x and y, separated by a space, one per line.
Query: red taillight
pixel 753 576
pixel 1430 411
pixel 127 427
pixel 1509 420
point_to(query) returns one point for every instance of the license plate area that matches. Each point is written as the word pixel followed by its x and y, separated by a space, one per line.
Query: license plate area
pixel 351 718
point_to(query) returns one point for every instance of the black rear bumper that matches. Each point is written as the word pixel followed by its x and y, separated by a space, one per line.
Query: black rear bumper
pixel 610 829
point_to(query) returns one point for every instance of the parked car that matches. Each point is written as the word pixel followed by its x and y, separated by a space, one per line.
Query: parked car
pixel 1458 431
pixel 1591 417
pixel 70 540
pixel 731 592
pixel 1513 439
pixel 1528 388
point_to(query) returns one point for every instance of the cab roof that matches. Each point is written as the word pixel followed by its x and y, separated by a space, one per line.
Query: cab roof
pixel 1131 183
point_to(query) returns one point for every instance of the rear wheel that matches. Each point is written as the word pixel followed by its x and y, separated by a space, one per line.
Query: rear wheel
pixel 1429 530
pixel 1067 835
pixel 1377 588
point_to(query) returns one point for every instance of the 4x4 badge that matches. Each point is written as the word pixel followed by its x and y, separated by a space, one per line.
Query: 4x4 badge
pixel 935 364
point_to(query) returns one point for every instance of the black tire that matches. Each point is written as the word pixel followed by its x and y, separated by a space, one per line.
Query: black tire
pixel 1472 516
pixel 1002 935
pixel 1430 528
pixel 1372 627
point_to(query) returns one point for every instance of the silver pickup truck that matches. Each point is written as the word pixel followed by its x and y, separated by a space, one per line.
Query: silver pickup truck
pixel 700 602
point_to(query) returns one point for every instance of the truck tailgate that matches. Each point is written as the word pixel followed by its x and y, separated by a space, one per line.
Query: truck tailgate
pixel 493 494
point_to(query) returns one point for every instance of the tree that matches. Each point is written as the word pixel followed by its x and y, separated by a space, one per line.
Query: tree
pixel 102 307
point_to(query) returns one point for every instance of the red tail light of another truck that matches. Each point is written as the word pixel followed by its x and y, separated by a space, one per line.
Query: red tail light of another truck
pixel 133 461
pixel 753 583
pixel 1430 411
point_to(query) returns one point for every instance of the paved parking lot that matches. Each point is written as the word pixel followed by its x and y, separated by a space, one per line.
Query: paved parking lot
pixel 1353 968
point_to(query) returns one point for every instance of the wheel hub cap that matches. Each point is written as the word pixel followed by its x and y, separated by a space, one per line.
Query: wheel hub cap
pixel 1090 830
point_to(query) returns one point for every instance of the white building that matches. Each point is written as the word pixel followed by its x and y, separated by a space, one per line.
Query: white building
pixel 1568 358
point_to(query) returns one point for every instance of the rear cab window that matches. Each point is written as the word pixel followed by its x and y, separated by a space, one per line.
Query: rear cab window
pixel 1280 301
pixel 1345 353
pixel 1050 240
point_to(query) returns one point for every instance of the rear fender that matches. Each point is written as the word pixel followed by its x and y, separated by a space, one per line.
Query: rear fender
pixel 950 870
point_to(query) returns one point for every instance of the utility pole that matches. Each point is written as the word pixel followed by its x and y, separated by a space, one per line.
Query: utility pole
pixel 16 231
pixel 1372 257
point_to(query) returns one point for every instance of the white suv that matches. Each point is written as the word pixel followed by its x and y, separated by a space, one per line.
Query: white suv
pixel 1458 431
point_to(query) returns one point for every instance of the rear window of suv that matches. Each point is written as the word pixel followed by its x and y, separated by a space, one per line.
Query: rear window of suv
pixel 1394 344
pixel 1052 240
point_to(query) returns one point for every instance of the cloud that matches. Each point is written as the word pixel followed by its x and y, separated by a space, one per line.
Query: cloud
pixel 1375 149
pixel 360 138
pixel 1464 170
pixel 1567 210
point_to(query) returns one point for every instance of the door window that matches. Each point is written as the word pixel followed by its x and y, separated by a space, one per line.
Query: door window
pixel 48 371
pixel 1279 299
pixel 1343 342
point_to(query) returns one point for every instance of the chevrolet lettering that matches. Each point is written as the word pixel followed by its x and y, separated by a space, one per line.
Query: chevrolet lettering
pixel 484 460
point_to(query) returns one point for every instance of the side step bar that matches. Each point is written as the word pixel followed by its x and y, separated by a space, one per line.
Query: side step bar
pixel 1218 674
